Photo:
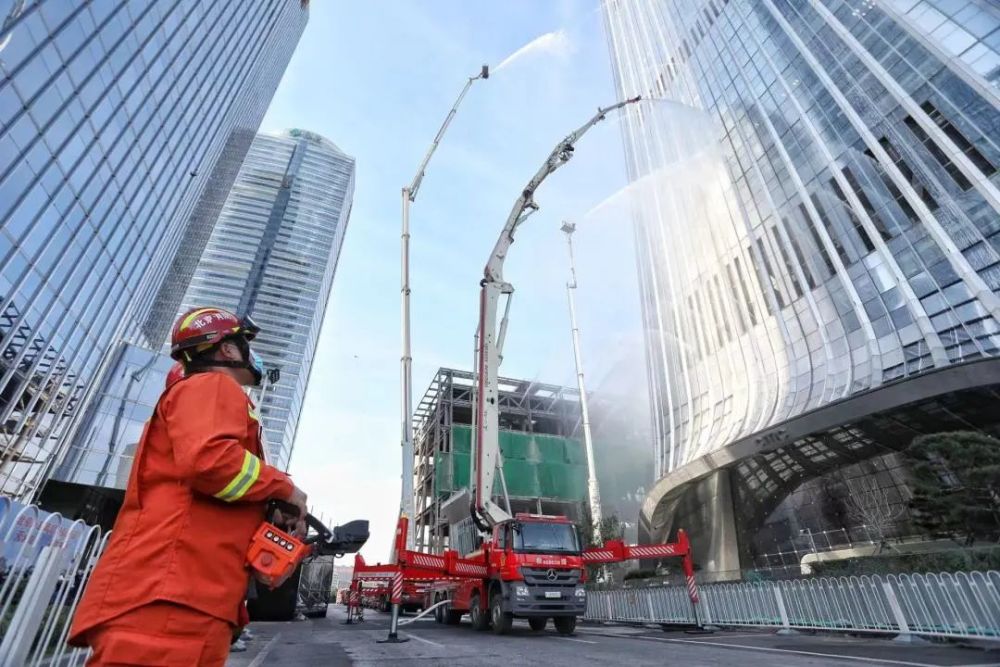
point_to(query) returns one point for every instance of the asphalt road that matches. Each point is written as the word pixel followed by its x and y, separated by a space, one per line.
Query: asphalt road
pixel 329 643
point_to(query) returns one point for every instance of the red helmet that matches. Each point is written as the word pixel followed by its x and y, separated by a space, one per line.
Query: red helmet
pixel 201 328
pixel 175 375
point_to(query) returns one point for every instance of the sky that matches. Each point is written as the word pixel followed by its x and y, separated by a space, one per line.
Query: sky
pixel 377 79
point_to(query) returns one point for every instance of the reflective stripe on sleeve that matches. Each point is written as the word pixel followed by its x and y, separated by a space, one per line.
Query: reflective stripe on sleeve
pixel 242 482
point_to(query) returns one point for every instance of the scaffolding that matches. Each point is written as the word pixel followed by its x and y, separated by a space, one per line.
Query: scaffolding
pixel 539 423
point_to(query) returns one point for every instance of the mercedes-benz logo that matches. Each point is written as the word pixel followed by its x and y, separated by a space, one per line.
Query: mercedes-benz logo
pixel 551 575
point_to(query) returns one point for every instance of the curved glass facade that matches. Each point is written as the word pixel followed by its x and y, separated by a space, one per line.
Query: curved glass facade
pixel 103 450
pixel 113 115
pixel 820 202
pixel 272 254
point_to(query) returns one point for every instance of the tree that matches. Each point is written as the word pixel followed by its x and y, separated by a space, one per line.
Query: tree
pixel 956 484
pixel 869 502
pixel 832 493
pixel 612 528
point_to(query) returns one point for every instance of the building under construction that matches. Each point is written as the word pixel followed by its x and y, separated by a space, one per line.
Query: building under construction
pixel 544 462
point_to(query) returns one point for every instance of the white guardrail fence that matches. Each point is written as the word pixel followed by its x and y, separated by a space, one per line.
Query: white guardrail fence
pixel 964 605
pixel 45 560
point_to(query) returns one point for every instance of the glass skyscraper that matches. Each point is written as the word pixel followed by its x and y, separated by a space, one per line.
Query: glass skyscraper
pixel 90 480
pixel 113 117
pixel 817 225
pixel 847 224
pixel 273 254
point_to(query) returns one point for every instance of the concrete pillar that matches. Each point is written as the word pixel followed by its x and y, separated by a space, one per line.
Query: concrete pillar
pixel 718 550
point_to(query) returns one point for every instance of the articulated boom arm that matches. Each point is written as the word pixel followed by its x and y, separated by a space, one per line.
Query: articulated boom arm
pixel 485 512
pixel 525 204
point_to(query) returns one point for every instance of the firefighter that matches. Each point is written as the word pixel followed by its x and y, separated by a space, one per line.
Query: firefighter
pixel 168 588
pixel 241 632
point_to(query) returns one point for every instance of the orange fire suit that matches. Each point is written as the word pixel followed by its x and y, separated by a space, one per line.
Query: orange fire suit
pixel 194 499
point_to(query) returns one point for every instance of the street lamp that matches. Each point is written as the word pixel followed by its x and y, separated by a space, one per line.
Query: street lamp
pixel 409 194
pixel 592 487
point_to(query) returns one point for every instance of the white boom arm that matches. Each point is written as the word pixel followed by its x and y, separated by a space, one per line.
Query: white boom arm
pixel 486 449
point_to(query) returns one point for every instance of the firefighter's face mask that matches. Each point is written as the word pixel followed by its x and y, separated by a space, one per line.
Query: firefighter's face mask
pixel 248 361
pixel 251 361
pixel 256 367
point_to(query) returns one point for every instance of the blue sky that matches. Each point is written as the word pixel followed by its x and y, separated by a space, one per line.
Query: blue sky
pixel 377 78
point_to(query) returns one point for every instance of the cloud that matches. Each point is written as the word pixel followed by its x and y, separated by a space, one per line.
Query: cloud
pixel 555 43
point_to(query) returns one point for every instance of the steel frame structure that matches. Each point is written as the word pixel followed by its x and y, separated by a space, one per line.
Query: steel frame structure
pixel 525 406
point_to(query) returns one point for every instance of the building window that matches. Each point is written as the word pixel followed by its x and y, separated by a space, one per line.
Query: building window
pixel 824 255
pixel 702 328
pixel 858 227
pixel 828 224
pixel 731 281
pixel 799 255
pixel 904 168
pixel 937 153
pixel 746 292
pixel 964 145
pixel 893 190
pixel 772 278
pixel 789 267
pixel 718 303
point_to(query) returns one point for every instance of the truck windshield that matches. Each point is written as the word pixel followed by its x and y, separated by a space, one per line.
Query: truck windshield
pixel 546 537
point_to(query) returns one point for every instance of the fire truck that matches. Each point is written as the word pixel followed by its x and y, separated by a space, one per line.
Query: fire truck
pixel 503 565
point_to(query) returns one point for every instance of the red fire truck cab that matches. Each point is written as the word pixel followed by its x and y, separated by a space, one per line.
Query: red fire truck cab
pixel 534 570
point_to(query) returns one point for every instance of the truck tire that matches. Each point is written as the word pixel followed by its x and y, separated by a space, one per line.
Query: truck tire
pixel 384 605
pixel 537 623
pixel 278 604
pixel 502 620
pixel 440 611
pixel 565 625
pixel 317 612
pixel 480 620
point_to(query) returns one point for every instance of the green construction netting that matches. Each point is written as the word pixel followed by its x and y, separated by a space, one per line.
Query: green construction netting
pixel 461 439
pixel 522 479
pixel 460 470
pixel 517 447
pixel 544 466
pixel 575 453
pixel 559 481
pixel 442 473
pixel 550 448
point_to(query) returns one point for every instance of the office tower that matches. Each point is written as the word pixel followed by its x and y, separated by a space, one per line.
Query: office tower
pixel 113 117
pixel 818 242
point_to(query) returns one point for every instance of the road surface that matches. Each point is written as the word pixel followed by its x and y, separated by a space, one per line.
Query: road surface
pixel 329 643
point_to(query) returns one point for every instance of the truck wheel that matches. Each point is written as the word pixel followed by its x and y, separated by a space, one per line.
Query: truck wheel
pixel 537 623
pixel 384 605
pixel 480 621
pixel 502 620
pixel 439 612
pixel 565 625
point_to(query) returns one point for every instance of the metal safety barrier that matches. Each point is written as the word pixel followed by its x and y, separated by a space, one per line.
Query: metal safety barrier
pixel 963 605
pixel 45 562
